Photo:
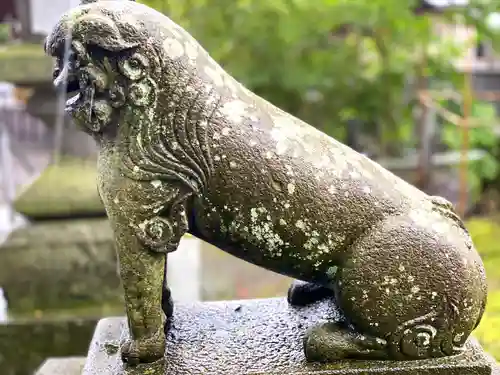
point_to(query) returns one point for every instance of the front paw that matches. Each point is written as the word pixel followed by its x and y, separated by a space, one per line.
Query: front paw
pixel 147 350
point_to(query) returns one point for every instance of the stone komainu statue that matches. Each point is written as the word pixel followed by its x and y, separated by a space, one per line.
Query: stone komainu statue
pixel 185 148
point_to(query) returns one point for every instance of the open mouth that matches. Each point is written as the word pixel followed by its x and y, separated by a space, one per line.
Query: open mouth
pixel 66 80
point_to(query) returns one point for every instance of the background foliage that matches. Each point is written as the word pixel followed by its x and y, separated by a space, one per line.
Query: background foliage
pixel 329 61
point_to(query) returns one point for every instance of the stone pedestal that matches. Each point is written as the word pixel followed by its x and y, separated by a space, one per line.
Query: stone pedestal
pixel 62 366
pixel 45 105
pixel 60 265
pixel 256 337
pixel 26 344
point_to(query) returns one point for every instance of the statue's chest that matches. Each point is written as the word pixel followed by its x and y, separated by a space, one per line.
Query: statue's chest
pixel 109 179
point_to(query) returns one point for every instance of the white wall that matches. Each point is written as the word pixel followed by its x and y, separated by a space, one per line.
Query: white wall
pixel 184 269
pixel 45 13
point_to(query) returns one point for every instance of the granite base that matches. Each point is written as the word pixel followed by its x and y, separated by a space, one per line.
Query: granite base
pixel 256 337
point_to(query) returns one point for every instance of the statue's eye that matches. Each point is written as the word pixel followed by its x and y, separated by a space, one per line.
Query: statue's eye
pixel 134 67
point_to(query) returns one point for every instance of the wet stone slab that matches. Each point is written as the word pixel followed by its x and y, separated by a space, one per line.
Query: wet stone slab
pixel 255 337
pixel 62 366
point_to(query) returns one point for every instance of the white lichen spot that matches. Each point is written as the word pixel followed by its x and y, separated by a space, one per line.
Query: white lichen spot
pixel 433 295
pixel 191 51
pixel 286 205
pixel 331 271
pixel 235 111
pixel 346 194
pixel 136 169
pixel 354 175
pixel 225 131
pixel 116 200
pixel 411 278
pixel 216 157
pixel 300 224
pixel 269 155
pixel 401 268
pixel 291 188
pixel 232 164
pixel 282 222
pixel 261 229
pixel 174 48
pixel 458 337
pixel 415 289
pixel 214 75
pixel 156 183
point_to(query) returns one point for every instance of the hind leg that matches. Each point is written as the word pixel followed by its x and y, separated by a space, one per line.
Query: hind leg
pixel 408 290
pixel 330 341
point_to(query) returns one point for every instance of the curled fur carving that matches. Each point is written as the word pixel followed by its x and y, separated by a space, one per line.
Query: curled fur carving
pixel 420 338
pixel 179 150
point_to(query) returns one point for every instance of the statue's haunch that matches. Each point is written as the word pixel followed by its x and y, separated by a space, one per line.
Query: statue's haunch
pixel 186 148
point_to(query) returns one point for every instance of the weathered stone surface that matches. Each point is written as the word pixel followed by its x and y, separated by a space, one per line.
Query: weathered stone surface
pixel 185 148
pixel 24 345
pixel 255 337
pixel 60 264
pixel 62 366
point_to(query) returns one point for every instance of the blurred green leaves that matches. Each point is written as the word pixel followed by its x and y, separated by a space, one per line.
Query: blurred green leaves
pixel 328 61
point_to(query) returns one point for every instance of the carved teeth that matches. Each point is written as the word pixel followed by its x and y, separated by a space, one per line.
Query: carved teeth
pixel 73 100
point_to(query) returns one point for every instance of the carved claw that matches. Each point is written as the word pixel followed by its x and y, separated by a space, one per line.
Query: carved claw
pixel 329 342
pixel 134 352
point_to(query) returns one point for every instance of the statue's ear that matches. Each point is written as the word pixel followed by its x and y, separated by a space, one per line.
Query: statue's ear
pixel 103 32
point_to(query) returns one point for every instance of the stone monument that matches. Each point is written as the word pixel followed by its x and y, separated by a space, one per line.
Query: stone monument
pixel 390 280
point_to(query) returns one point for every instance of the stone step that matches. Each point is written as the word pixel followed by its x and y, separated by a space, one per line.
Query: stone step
pixel 59 265
pixel 26 344
pixel 62 366
pixel 257 337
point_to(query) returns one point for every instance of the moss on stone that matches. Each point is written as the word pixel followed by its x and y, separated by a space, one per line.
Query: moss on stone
pixel 25 345
pixel 67 189
pixel 59 265
pixel 24 63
